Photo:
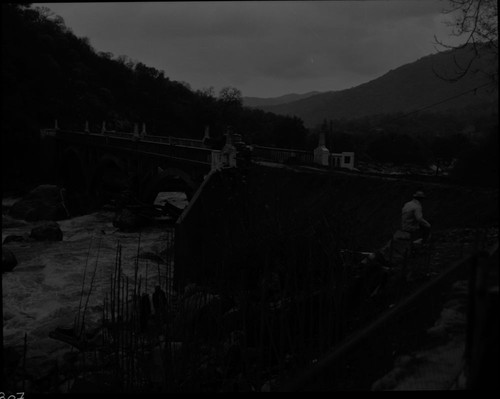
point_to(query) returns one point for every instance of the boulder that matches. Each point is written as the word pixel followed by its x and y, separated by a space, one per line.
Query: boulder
pixel 127 220
pixel 15 238
pixel 45 202
pixel 9 261
pixel 49 231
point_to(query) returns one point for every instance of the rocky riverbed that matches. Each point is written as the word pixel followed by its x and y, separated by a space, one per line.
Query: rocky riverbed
pixel 52 280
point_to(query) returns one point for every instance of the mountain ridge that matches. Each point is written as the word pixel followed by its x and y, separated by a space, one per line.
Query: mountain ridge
pixel 408 88
pixel 286 98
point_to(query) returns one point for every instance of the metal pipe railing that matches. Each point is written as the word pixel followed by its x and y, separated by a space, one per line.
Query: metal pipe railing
pixel 332 359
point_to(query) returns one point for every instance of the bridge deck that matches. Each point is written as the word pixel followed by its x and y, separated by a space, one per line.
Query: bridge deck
pixel 172 147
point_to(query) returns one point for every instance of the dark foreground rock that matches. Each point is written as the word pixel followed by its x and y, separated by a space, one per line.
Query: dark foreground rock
pixel 16 238
pixel 9 261
pixel 127 220
pixel 49 231
pixel 45 202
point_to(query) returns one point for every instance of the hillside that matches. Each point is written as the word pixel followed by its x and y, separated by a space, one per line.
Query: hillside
pixel 287 98
pixel 407 88
pixel 49 73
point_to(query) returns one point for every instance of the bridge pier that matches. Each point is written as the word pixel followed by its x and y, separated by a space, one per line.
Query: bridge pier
pixel 48 158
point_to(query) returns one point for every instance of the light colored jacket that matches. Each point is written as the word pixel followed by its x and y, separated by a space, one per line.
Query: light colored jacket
pixel 412 216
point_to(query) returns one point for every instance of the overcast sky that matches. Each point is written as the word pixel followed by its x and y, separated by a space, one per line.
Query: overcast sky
pixel 265 49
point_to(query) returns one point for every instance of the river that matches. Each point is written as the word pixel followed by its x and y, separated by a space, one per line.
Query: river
pixel 44 291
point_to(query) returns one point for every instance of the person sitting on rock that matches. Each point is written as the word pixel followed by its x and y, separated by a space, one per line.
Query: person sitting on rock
pixel 412 219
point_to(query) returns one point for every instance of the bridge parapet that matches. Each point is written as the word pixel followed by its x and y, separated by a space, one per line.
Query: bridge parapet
pixel 175 141
pixel 196 151
pixel 125 141
pixel 48 133
pixel 281 155
pixel 119 134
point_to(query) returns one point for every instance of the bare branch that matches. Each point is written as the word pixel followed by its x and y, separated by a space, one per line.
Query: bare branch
pixel 477 22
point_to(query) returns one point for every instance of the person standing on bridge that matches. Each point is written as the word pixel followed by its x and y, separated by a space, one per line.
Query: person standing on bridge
pixel 412 218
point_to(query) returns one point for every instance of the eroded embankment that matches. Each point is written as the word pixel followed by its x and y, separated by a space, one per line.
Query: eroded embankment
pixel 239 212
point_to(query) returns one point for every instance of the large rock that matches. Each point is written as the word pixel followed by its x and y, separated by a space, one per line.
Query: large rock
pixel 9 261
pixel 45 202
pixel 16 238
pixel 127 220
pixel 49 231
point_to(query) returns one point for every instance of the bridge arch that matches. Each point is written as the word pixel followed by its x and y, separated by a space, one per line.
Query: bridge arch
pixel 170 180
pixel 108 159
pixel 74 179
pixel 108 178
pixel 72 169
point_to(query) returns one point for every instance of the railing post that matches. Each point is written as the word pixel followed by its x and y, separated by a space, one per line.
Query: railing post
pixel 103 128
pixel 87 130
pixel 143 131
pixel 216 159
pixel 229 150
pixel 136 135
pixel 56 126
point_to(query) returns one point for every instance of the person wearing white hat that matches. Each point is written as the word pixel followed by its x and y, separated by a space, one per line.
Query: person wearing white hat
pixel 412 218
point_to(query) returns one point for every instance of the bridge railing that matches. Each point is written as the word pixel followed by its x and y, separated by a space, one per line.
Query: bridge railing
pixel 112 133
pixel 193 154
pixel 184 148
pixel 124 141
pixel 401 326
pixel 282 155
pixel 174 141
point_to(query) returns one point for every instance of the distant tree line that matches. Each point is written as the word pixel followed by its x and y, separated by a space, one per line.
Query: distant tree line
pixel 49 73
pixel 468 140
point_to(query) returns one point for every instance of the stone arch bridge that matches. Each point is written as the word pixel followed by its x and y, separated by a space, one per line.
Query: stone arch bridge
pixel 88 163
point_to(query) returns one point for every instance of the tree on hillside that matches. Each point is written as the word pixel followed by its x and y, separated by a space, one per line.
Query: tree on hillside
pixel 397 148
pixel 476 21
pixel 231 95
pixel 49 73
pixel 230 105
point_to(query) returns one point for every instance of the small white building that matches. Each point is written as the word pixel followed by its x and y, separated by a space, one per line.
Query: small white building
pixel 342 160
pixel 322 156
